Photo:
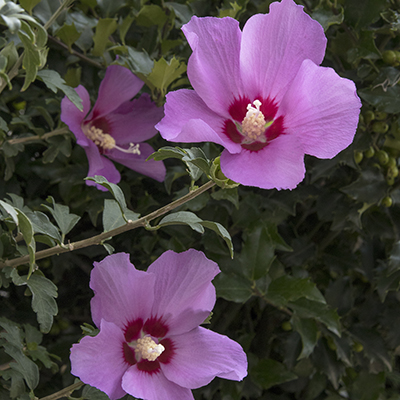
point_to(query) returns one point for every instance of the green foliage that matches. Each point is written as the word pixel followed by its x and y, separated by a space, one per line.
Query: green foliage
pixel 312 290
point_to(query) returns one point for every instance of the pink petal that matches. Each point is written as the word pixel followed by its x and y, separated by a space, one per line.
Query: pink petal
pixel 99 165
pixel 188 120
pixel 183 282
pixel 151 168
pixel 279 165
pixel 134 120
pixel 122 293
pixel 119 85
pixel 155 386
pixel 71 115
pixel 213 68
pixel 200 355
pixel 98 361
pixel 274 45
pixel 321 109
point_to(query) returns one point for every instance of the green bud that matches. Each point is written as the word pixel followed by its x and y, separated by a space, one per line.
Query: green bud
pixel 358 156
pixel 389 57
pixel 358 347
pixel 392 172
pixel 286 326
pixel 387 201
pixel 397 56
pixel 392 162
pixel 369 116
pixel 331 343
pixel 219 178
pixel 380 115
pixel 370 152
pixel 380 127
pixel 390 181
pixel 383 157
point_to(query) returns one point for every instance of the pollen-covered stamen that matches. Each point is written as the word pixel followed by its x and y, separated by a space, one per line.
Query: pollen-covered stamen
pixel 148 349
pixel 254 124
pixel 98 137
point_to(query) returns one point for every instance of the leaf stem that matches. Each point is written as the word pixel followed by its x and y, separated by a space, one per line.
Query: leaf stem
pixel 63 392
pixel 99 239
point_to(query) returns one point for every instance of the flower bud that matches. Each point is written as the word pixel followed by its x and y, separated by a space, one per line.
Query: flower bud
pixel 369 116
pixel 383 157
pixel 370 152
pixel 358 156
pixel 380 127
pixel 387 201
pixel 389 57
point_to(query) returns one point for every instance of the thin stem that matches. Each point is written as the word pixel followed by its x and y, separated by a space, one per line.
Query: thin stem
pixel 64 392
pixel 65 4
pixel 99 239
pixel 60 131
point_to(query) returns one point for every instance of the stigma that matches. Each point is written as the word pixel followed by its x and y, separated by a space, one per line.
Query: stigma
pixel 254 125
pixel 146 348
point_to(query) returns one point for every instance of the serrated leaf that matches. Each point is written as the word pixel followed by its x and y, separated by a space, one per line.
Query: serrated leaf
pixel 65 220
pixel 306 308
pixel 29 4
pixel 308 330
pixel 14 348
pixel 44 292
pixel 150 15
pixel 42 224
pixel 112 215
pixel 68 34
pixel 287 288
pixel 105 27
pixel 268 373
pixel 53 81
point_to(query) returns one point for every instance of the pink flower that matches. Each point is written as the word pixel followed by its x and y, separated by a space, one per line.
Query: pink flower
pixel 262 95
pixel 116 126
pixel 150 344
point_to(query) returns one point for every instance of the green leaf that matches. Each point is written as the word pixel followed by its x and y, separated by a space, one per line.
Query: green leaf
pixel 368 386
pixel 268 373
pixel 68 34
pixel 112 215
pixel 305 308
pixel 92 393
pixel 258 251
pixel 287 288
pixel 326 17
pixel 308 330
pixel 61 214
pixel 54 82
pixel 150 15
pixel 183 218
pixel 44 293
pixel 233 287
pixel 105 27
pixel 29 4
pixel 13 346
pixel 163 74
pixel 384 99
pixel 41 224
pixel 221 231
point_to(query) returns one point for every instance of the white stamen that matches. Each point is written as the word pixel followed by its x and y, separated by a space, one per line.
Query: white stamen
pixel 132 149
pixel 253 110
pixel 254 124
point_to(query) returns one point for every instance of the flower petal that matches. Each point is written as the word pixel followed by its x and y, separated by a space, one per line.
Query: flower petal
pixel 188 119
pixel 137 162
pixel 71 115
pixel 200 355
pixel 279 165
pixel 321 109
pixel 143 385
pixel 98 361
pixel 119 85
pixel 183 281
pixel 122 293
pixel 213 68
pixel 134 120
pixel 274 45
pixel 99 165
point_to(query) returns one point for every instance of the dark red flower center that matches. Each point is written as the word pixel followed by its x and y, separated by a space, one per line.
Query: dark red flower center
pixel 146 345
pixel 253 124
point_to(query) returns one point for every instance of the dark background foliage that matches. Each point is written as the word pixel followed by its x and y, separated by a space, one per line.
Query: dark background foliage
pixel 312 291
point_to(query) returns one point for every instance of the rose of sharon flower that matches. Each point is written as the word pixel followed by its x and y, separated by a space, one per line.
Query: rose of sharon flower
pixel 150 344
pixel 262 95
pixel 116 126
